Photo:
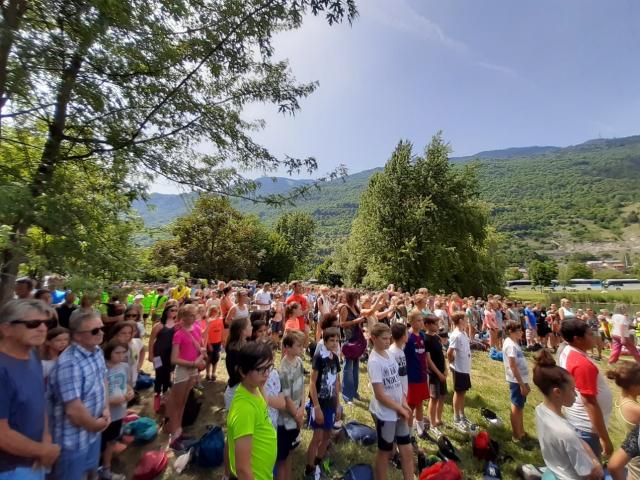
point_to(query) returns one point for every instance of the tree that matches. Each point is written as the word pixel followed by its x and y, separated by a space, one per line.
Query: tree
pixel 513 273
pixel 277 259
pixel 298 229
pixel 134 88
pixel 542 273
pixel 578 270
pixel 327 274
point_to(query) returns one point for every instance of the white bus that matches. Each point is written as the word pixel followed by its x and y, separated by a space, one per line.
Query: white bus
pixel 515 284
pixel 623 284
pixel 585 284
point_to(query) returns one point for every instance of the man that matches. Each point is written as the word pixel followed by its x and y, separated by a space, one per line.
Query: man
pixel 298 296
pixel 23 288
pixel 262 299
pixel 77 396
pixel 590 412
pixel 158 305
pixel 66 309
pixel 26 449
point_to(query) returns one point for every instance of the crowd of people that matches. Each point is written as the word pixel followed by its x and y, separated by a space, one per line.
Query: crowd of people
pixel 69 365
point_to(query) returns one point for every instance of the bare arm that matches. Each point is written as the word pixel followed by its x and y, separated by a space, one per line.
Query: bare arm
pixel 597 420
pixel 176 360
pixel 229 318
pixel 80 416
pixel 243 457
pixel 616 465
pixel 433 368
pixel 152 339
pixel 451 354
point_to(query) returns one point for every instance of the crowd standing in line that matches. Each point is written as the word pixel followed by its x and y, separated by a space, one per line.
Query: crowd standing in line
pixel 68 372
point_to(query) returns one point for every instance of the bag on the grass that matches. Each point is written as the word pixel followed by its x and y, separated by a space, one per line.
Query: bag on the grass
pixel 361 471
pixel 360 433
pixel 496 355
pixel 192 408
pixel 151 465
pixel 143 430
pixel 442 471
pixel 144 381
pixel 491 417
pixel 492 471
pixel 483 447
pixel 208 452
pixel 529 472
pixel 446 449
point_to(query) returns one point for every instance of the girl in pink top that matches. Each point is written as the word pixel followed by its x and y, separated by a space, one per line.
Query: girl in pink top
pixel 491 324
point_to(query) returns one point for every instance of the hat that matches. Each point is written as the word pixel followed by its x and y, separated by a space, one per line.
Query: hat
pixel 138 297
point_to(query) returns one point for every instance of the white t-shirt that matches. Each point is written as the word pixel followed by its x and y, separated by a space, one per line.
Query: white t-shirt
pixel 620 325
pixel 562 449
pixel 513 350
pixel 272 389
pixel 443 320
pixel 263 300
pixel 401 359
pixel 384 370
pixel 460 343
pixel 133 355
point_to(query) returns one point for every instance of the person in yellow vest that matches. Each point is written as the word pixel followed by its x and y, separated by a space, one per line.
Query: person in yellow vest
pixel 181 292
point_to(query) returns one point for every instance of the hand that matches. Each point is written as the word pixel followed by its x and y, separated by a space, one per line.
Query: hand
pixel 404 413
pixel 48 454
pixel 442 377
pixel 100 424
pixel 318 415
pixel 200 364
pixel 607 446
pixel 129 395
pixel 120 399
pixel 525 389
pixel 300 416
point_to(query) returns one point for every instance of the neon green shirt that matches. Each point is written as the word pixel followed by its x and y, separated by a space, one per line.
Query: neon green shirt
pixel 248 415
pixel 147 302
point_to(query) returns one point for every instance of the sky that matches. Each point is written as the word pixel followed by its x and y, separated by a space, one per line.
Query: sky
pixel 490 74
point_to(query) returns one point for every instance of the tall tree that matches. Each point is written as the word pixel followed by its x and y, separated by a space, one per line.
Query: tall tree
pixel 298 229
pixel 139 86
pixel 542 273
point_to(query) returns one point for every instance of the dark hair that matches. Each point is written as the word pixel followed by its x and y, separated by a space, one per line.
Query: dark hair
pixel 330 333
pixel 547 375
pixel 121 325
pixel 256 315
pixel 398 330
pixel 227 289
pixel 292 337
pixel 255 325
pixel 55 331
pixel 41 292
pixel 251 355
pixel 626 374
pixel 290 308
pixel 24 281
pixel 168 306
pixel 512 326
pixel 572 328
pixel 329 320
pixel 110 346
pixel 352 298
pixel 236 338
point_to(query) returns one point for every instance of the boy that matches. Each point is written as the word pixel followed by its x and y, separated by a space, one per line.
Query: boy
pixel 517 374
pixel 437 368
pixel 415 353
pixel 531 324
pixel 292 387
pixel 388 405
pixel 396 350
pixel 459 356
pixel 324 390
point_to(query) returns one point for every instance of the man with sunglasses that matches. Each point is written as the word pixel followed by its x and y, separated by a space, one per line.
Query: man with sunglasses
pixel 26 448
pixel 77 396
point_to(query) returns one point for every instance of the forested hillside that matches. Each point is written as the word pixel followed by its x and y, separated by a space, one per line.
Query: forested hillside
pixel 554 200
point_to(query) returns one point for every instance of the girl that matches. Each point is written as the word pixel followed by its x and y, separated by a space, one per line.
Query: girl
pixel 214 340
pixel 124 332
pixel 291 313
pixel 621 335
pixel 188 355
pixel 160 342
pixel 252 438
pixel 225 306
pixel 133 313
pixel 491 324
pixel 259 330
pixel 565 454
pixel 57 341
pixel 277 307
pixel 115 353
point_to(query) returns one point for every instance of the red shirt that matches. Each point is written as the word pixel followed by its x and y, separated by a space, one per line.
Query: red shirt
pixel 215 330
pixel 302 300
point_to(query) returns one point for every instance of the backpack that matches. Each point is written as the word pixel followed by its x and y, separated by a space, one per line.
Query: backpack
pixel 483 447
pixel 361 471
pixel 208 452
pixel 442 471
pixel 360 433
pixel 495 354
pixel 151 465
pixel 143 430
pixel 491 417
pixel 446 449
pixel 492 471
pixel 192 408
pixel 144 381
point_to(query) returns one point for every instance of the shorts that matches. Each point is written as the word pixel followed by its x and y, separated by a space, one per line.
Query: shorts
pixel 23 473
pixel 112 433
pixel 593 440
pixel 276 327
pixel 391 431
pixel 543 328
pixel 437 389
pixel 229 392
pixel 214 353
pixel 516 396
pixel 329 415
pixel 288 440
pixel 417 393
pixel 74 464
pixel 461 381
pixel 183 374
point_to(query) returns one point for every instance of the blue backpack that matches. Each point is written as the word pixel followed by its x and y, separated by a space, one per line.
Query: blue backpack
pixel 360 433
pixel 143 430
pixel 361 471
pixel 208 451
pixel 495 354
pixel 144 381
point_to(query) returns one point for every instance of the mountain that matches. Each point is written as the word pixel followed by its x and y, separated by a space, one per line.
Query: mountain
pixel 549 199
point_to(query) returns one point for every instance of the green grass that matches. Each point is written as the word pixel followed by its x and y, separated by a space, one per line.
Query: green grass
pixel 581 299
pixel 489 390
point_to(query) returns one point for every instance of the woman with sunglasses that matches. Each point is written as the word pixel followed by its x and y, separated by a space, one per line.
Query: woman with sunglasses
pixel 133 313
pixel 251 436
pixel 160 341
pixel 24 438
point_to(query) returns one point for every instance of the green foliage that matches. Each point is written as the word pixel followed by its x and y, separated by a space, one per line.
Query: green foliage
pixel 579 270
pixel 513 273
pixel 326 274
pixel 298 230
pixel 541 273
pixel 420 223
pixel 609 273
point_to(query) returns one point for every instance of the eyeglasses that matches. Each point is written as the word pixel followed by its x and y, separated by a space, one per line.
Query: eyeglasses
pixel 93 331
pixel 265 369
pixel 33 324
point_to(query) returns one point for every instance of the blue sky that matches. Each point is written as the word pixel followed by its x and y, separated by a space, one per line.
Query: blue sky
pixel 490 74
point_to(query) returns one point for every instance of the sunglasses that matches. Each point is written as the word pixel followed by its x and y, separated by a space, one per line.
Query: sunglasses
pixel 33 324
pixel 265 369
pixel 93 331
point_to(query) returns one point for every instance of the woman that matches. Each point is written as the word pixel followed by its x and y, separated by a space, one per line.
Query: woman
pixel 490 324
pixel 225 305
pixel 355 345
pixel 621 334
pixel 240 309
pixel 277 320
pixel 133 313
pixel 160 344
pixel 565 312
pixel 565 454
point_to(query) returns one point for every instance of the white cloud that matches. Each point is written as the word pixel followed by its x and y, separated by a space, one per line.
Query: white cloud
pixel 508 71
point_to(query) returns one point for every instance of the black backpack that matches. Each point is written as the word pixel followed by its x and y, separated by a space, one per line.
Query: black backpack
pixel 192 408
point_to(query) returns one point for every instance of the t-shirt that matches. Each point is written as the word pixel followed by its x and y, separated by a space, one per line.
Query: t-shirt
pixel 187 340
pixel 443 321
pixel 589 381
pixel 416 355
pixel 248 416
pixel 460 343
pixel 22 403
pixel 292 323
pixel 562 449
pixel 511 349
pixel 531 318
pixel 384 369
pixel 272 389
pixel 263 300
pixel 433 345
pixel 328 366
pixel 292 386
pixel 117 377
pixel 304 305
pixel 216 326
pixel 620 325
pixel 400 358
pixel 133 356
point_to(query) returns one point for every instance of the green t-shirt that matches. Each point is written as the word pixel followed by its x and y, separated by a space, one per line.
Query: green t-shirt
pixel 248 415
pixel 148 301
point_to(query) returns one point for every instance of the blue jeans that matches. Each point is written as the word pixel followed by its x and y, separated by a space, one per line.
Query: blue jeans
pixel 350 379
pixel 23 473
pixel 75 464
pixel 593 440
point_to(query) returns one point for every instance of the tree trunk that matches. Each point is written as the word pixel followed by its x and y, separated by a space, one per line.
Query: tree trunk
pixel 11 258
pixel 11 15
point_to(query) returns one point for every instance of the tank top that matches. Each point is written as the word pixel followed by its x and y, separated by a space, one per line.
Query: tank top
pixel 568 313
pixel 349 331
pixel 619 405
pixel 163 344
pixel 241 313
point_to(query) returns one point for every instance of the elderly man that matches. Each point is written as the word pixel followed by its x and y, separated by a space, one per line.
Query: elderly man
pixel 77 394
pixel 25 444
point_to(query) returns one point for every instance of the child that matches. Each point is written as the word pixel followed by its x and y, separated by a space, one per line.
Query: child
pixel 437 368
pixel 415 353
pixel 531 324
pixel 277 307
pixel 251 436
pixel 56 343
pixel 214 340
pixel 292 311
pixel 388 405
pixel 120 393
pixel 459 356
pixel 291 374
pixel 396 350
pixel 324 390
pixel 125 333
pixel 260 332
pixel 275 400
pixel 517 374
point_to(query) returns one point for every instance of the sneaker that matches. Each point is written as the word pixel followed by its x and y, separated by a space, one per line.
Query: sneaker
pixel 156 403
pixel 523 443
pixel 107 474
pixel 427 436
pixel 436 432
pixel 470 425
pixel 461 426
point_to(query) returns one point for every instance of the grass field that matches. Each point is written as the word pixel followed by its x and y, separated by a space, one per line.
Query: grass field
pixel 489 390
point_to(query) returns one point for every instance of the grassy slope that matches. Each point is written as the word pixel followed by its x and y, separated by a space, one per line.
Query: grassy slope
pixel 489 390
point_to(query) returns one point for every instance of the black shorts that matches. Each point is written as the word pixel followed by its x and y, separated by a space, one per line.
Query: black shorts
pixel 276 327
pixel 437 388
pixel 288 440
pixel 214 354
pixel 112 433
pixel 461 381
pixel 389 432
pixel 543 328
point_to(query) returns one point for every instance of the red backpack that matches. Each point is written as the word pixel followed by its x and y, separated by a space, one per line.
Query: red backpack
pixel 442 471
pixel 151 465
pixel 483 447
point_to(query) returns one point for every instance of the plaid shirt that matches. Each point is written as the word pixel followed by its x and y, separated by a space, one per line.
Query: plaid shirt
pixel 81 374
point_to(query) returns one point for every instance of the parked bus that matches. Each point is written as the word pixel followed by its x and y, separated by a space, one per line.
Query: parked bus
pixel 515 284
pixel 623 284
pixel 585 284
